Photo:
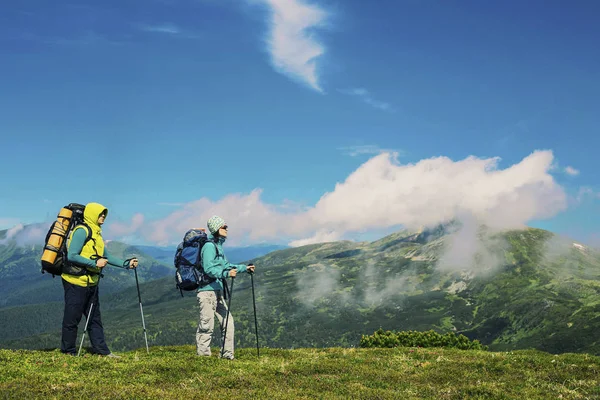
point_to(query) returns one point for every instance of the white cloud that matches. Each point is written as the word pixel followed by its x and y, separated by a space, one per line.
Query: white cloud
pixel 291 42
pixel 25 235
pixel 469 248
pixel 14 230
pixel 360 150
pixel 316 282
pixel 124 229
pixel 394 285
pixel 381 193
pixel 169 29
pixel 584 193
pixel 162 28
pixel 365 96
pixel 321 236
pixel 8 222
pixel 571 171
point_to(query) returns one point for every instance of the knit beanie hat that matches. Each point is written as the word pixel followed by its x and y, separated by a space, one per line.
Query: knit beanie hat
pixel 214 223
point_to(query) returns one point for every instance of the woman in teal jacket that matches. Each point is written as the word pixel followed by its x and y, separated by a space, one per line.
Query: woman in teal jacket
pixel 211 297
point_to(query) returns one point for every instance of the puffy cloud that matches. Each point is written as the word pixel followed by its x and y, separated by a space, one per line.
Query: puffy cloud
pixel 124 229
pixel 320 237
pixel 571 171
pixel 382 193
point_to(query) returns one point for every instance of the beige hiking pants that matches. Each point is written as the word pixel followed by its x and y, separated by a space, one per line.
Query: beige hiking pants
pixel 212 303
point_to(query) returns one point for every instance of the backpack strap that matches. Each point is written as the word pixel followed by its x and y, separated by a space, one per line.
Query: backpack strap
pixel 216 248
pixel 226 292
pixel 198 263
pixel 87 239
pixel 89 233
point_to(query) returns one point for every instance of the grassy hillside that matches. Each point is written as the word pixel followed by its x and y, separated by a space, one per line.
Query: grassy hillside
pixel 332 373
pixel 536 293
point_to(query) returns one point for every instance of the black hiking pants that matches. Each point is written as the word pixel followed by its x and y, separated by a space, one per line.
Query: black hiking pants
pixel 77 303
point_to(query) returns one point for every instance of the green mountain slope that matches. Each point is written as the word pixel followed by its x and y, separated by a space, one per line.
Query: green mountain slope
pixel 523 289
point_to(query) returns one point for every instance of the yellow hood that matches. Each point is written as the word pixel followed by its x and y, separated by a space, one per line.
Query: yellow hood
pixel 92 213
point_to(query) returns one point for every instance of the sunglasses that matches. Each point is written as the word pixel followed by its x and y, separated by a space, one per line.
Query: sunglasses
pixel 224 227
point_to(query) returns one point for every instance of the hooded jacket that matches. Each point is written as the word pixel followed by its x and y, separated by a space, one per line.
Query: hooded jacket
pixel 216 265
pixel 81 267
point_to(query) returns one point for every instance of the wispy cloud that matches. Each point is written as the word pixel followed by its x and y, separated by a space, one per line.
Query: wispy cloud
pixel 168 28
pixel 585 193
pixel 8 222
pixel 365 96
pixel 365 149
pixel 291 41
pixel 571 171
pixel 26 235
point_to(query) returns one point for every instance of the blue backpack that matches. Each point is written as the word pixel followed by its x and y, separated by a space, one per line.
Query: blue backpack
pixel 189 274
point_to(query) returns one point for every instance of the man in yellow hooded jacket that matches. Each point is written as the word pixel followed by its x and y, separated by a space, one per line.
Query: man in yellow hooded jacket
pixel 86 257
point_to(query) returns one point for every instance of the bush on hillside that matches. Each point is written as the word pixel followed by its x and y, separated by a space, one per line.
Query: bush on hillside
pixel 429 338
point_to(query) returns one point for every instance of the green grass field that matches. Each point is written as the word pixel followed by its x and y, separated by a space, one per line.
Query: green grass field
pixel 334 373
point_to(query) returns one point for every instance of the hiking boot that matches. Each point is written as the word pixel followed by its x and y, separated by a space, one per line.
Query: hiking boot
pixel 112 355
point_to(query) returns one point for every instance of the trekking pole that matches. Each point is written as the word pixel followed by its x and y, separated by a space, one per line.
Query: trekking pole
pixel 255 320
pixel 227 320
pixel 141 309
pixel 89 316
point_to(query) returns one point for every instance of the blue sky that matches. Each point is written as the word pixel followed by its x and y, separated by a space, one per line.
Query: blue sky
pixel 168 111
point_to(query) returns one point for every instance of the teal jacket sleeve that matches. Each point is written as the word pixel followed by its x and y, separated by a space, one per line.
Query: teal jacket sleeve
pixel 217 267
pixel 240 267
pixel 112 260
pixel 77 243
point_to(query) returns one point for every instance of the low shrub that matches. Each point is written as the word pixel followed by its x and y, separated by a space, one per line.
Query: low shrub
pixel 429 338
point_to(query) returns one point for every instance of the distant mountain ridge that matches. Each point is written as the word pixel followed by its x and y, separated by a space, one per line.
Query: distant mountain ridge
pixel 234 254
pixel 21 280
pixel 522 289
